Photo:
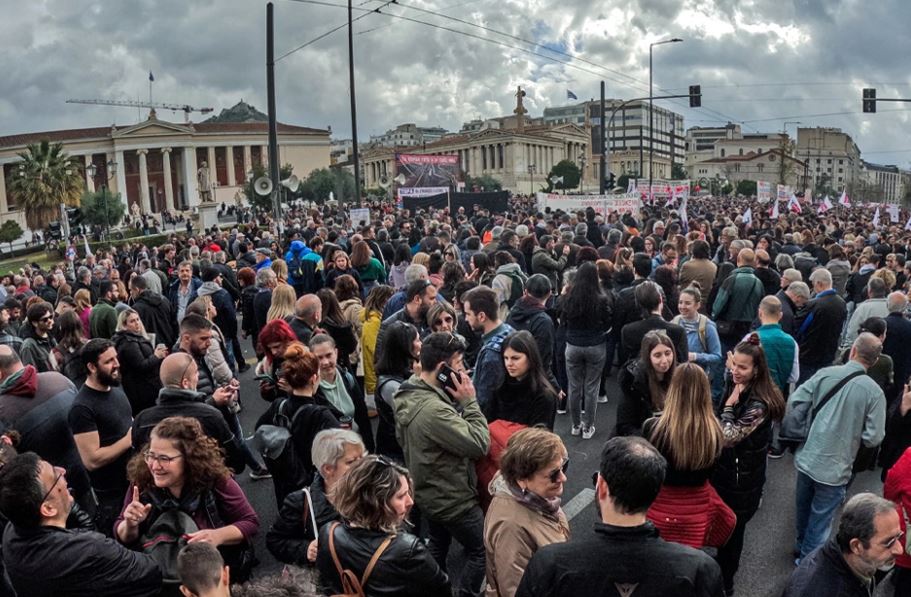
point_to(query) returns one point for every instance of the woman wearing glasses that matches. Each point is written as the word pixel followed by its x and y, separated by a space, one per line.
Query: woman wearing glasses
pixel 525 513
pixel 374 499
pixel 181 468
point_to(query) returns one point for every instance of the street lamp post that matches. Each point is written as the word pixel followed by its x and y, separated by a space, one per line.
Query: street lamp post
pixel 651 114
pixel 582 161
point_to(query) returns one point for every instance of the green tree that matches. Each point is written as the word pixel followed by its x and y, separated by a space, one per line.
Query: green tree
pixel 102 209
pixel 678 172
pixel 484 182
pixel 746 187
pixel 727 189
pixel 10 231
pixel 265 201
pixel 46 177
pixel 569 171
pixel 325 180
pixel 623 182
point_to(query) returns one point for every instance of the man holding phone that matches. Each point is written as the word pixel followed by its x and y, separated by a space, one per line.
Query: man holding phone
pixel 442 433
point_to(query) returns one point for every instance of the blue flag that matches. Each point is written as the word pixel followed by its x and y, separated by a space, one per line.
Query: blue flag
pixel 151 78
pixel 570 95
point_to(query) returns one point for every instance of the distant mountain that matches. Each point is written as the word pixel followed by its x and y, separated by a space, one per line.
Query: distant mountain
pixel 239 112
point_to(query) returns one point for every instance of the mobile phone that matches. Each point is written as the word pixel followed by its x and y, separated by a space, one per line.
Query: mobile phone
pixel 447 375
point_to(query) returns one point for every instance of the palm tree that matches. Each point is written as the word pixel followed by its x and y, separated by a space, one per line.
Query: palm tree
pixel 46 177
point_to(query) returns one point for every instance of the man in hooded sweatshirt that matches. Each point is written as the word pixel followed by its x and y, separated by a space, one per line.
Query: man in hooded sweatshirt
pixel 530 314
pixel 305 268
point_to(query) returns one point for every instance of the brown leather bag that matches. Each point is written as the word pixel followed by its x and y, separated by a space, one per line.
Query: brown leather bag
pixel 351 585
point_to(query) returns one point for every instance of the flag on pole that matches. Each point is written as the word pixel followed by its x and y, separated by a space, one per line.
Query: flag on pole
pixel 88 251
pixel 774 213
pixel 570 95
pixel 748 217
pixel 684 218
pixel 876 218
pixel 151 77
pixel 844 200
pixel 794 204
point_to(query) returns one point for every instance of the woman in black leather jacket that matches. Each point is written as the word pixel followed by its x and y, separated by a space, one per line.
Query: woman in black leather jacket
pixel 401 348
pixel 292 539
pixel 374 498
pixel 752 402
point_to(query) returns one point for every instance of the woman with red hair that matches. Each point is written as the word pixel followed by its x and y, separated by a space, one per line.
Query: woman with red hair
pixel 274 340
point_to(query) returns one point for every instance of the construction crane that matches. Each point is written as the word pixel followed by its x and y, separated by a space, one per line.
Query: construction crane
pixel 137 104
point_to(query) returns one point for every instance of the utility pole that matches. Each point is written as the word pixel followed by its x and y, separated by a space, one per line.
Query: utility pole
pixel 273 122
pixel 357 164
pixel 604 148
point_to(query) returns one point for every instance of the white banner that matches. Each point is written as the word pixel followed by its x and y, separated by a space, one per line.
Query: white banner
pixel 784 192
pixel 663 189
pixel 421 191
pixel 360 214
pixel 602 204
pixel 763 191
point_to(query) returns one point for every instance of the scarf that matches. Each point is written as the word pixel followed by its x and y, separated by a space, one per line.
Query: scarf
pixel 533 501
pixel 21 383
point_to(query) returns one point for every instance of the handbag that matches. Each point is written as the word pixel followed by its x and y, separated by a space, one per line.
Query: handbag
pixel 798 421
pixel 351 585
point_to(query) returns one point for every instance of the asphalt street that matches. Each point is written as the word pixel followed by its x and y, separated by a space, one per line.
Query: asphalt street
pixel 766 563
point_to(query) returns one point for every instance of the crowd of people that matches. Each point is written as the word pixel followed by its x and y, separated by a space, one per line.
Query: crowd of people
pixel 411 369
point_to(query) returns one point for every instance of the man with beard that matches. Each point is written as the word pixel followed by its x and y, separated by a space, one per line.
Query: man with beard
pixel 101 419
pixel 482 312
pixel 419 296
pixel 868 539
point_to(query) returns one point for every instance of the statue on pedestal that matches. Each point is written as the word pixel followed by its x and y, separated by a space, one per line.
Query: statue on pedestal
pixel 520 110
pixel 203 184
pixel 135 210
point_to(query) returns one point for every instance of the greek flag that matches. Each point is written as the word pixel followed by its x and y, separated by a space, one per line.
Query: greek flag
pixel 570 95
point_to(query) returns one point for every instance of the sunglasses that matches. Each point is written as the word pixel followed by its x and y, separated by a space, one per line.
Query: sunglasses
pixel 554 475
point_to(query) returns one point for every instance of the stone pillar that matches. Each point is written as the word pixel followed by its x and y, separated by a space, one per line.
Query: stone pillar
pixel 191 193
pixel 229 160
pixel 122 179
pixel 89 181
pixel 144 202
pixel 213 171
pixel 4 206
pixel 248 160
pixel 168 182
pixel 264 152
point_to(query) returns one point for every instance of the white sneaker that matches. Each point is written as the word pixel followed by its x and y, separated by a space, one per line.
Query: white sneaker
pixel 602 399
pixel 576 430
pixel 588 432
pixel 561 411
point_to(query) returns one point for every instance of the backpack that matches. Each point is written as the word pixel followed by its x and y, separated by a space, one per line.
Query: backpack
pixel 276 445
pixel 703 324
pixel 351 585
pixel 296 267
pixel 516 288
pixel 164 539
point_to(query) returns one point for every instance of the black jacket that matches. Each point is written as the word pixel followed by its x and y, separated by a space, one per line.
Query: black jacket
pixel 139 369
pixel 898 339
pixel 515 402
pixel 856 288
pixel 405 568
pixel 604 561
pixel 741 471
pixel 228 280
pixel 534 319
pixel 55 562
pixel 387 443
pixel 635 406
pixel 817 329
pixel 261 303
pixel 825 572
pixel 633 333
pixel 156 315
pixel 248 323
pixel 292 532
pixel 173 402
pixel 788 309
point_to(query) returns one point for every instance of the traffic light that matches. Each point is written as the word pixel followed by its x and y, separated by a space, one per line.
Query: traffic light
pixel 870 100
pixel 695 96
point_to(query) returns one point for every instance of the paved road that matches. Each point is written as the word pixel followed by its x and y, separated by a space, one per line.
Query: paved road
pixel 766 562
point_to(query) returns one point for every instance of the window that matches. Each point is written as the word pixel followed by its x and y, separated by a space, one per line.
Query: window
pixel 829 161
pixel 741 151
pixel 840 170
pixel 840 162
pixel 722 152
pixel 760 167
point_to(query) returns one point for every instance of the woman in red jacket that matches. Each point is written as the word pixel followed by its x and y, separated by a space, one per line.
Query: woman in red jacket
pixel 688 510
pixel 898 489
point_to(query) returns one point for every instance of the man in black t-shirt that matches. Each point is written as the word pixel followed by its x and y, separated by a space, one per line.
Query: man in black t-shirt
pixel 101 419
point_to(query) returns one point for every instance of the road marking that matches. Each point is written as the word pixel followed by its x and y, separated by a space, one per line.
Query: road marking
pixel 579 503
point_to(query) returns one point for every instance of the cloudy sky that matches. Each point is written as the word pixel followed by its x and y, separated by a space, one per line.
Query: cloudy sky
pixel 760 62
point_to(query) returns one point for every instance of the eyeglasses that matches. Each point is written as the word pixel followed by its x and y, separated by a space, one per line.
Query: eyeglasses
pixel 53 485
pixel 161 459
pixel 190 362
pixel 554 475
pixel 888 544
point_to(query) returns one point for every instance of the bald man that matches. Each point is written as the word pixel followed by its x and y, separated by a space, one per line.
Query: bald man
pixel 737 301
pixel 308 312
pixel 179 398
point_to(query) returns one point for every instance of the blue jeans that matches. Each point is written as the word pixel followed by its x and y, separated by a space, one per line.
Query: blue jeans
pixel 816 505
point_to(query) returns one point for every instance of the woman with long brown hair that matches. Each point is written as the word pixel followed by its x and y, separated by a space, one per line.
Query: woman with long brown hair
pixel 368 267
pixel 687 433
pixel 644 383
pixel 752 402
pixel 182 468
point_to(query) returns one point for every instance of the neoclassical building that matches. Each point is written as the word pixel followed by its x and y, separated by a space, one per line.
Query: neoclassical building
pixel 519 157
pixel 157 161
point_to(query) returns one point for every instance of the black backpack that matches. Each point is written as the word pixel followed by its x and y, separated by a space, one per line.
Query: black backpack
pixel 276 445
pixel 164 539
pixel 295 267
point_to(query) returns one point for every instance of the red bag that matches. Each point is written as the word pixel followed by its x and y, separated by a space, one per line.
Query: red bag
pixel 488 466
